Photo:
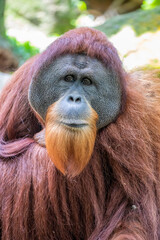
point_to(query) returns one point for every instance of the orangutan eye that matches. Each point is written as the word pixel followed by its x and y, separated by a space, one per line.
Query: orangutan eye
pixel 69 78
pixel 86 81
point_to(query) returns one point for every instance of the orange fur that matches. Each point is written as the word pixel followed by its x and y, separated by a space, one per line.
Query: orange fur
pixel 69 148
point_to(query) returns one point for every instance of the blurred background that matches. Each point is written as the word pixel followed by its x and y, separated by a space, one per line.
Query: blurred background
pixel 28 27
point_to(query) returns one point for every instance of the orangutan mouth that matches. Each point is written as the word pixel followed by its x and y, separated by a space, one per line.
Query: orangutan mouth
pixel 75 124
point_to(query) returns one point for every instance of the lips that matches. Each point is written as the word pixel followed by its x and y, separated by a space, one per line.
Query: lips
pixel 74 124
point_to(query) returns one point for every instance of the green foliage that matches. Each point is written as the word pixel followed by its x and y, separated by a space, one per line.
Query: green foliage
pixel 52 16
pixel 149 4
pixel 23 51
pixel 81 6
pixel 141 21
pixel 2 25
pixel 66 15
pixel 25 9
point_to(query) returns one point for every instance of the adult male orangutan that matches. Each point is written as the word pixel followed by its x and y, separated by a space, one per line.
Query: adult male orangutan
pixel 79 146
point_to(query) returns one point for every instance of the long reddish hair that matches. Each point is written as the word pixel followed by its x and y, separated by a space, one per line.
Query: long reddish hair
pixel 117 195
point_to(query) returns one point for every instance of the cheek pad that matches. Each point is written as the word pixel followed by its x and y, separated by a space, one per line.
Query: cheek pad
pixel 43 93
pixel 107 102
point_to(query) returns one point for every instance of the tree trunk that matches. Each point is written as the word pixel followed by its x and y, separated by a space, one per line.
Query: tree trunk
pixel 2 27
pixel 8 61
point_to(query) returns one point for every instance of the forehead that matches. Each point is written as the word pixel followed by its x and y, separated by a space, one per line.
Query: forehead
pixel 79 61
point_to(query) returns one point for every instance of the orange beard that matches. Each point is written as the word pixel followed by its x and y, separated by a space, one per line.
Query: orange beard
pixel 69 148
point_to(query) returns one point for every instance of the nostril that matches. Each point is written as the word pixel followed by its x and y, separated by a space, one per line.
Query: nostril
pixel 71 99
pixel 78 99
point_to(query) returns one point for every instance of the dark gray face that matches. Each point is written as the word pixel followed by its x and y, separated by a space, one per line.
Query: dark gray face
pixel 75 76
